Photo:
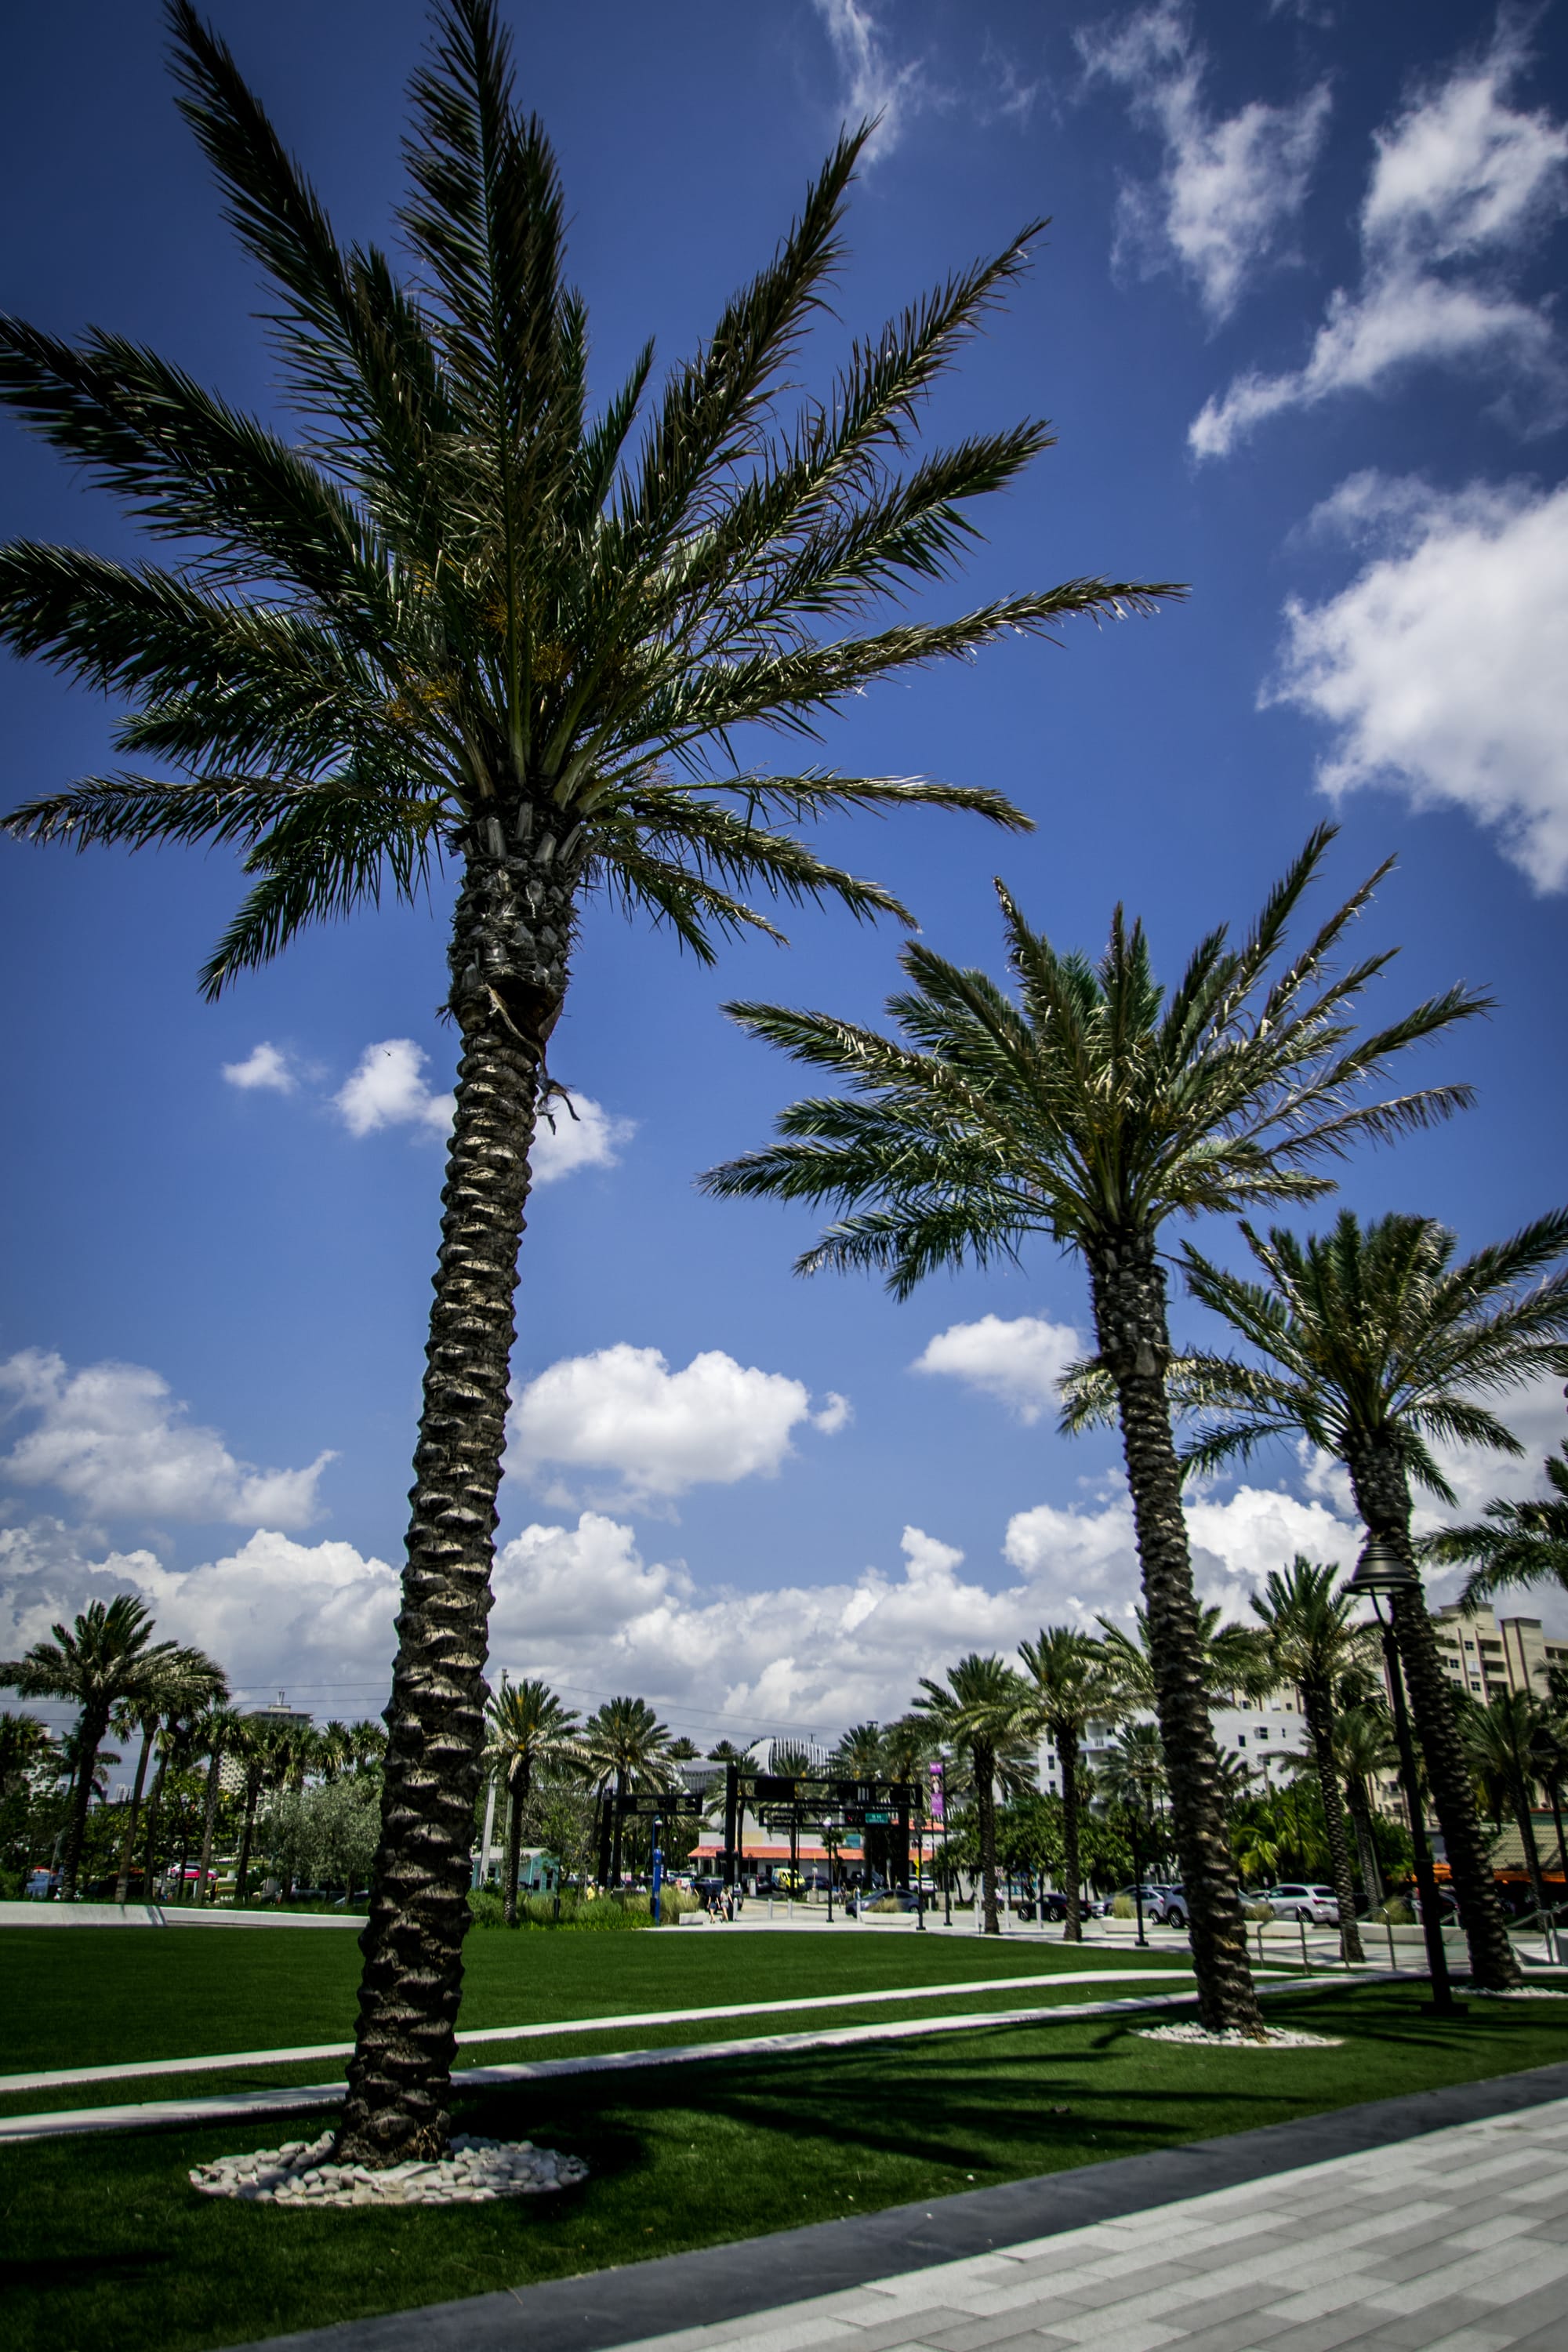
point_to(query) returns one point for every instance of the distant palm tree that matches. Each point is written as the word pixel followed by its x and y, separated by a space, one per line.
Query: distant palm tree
pixel 1091 1105
pixel 1364 1750
pixel 219 1732
pixel 624 1746
pixel 858 1754
pixel 1313 1633
pixel 335 1749
pixel 1131 1772
pixel 24 1742
pixel 529 1729
pixel 106 1660
pixel 268 1751
pixel 1520 1543
pixel 976 1712
pixel 466 619
pixel 1070 1682
pixel 1499 1744
pixel 1231 1657
pixel 1374 1342
pixel 367 1746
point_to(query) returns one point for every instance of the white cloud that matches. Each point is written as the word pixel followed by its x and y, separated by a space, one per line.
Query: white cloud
pixel 1229 185
pixel 584 1136
pixel 1017 1361
pixel 265 1068
pixel 113 1438
pixel 1444 665
pixel 623 1410
pixel 388 1089
pixel 874 85
pixel 1460 182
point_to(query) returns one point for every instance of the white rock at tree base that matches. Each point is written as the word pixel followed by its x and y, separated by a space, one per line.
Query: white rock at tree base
pixel 475 2171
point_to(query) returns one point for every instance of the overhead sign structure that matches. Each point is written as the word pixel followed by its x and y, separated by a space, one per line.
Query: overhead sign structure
pixel 821 1802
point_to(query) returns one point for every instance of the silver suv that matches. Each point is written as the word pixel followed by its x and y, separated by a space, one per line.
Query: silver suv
pixel 1314 1905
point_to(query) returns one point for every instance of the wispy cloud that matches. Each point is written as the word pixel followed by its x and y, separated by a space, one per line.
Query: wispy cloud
pixel 266 1069
pixel 874 84
pixel 1230 184
pixel 1461 182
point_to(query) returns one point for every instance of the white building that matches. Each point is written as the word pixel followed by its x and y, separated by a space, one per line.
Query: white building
pixel 1259 1732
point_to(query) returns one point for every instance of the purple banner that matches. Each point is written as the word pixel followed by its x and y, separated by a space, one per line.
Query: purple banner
pixel 938 1795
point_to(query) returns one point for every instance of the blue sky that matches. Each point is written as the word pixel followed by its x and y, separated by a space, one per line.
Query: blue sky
pixel 1293 324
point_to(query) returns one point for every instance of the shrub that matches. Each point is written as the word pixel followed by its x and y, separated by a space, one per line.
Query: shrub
pixel 1394 1913
pixel 1124 1907
pixel 1257 1910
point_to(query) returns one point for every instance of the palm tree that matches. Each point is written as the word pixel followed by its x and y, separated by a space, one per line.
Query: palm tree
pixel 186 1678
pixel 219 1732
pixel 976 1712
pixel 858 1754
pixel 1072 1682
pixel 269 1753
pixel 1231 1657
pixel 1094 1108
pixel 335 1752
pixel 1521 1543
pixel 528 1727
pixel 105 1659
pixel 1364 1750
pixel 1373 1343
pixel 623 1747
pixel 1313 1635
pixel 367 1746
pixel 1498 1741
pixel 24 1742
pixel 464 619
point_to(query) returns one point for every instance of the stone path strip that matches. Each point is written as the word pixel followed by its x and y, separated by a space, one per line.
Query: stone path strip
pixel 254 2104
pixel 750 2292
pixel 62 2077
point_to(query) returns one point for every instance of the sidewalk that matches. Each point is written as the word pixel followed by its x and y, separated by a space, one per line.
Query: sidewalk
pixel 1432 2223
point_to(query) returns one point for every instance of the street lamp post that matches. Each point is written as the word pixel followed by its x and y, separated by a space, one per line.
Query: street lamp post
pixel 1381 1570
pixel 1137 1874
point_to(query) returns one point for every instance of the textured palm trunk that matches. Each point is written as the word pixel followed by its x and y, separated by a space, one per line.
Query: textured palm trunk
pixel 516 1798
pixel 252 1792
pixel 154 1813
pixel 1066 1755
pixel 209 1819
pixel 1321 1731
pixel 1383 1498
pixel 1518 1796
pixel 1128 1285
pixel 1366 1842
pixel 128 1843
pixel 89 1739
pixel 985 1806
pixel 510 932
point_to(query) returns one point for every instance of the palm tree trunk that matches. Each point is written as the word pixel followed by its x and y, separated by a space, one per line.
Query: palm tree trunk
pixel 1128 1285
pixel 1366 1842
pixel 252 1792
pixel 1383 1498
pixel 88 1739
pixel 209 1818
pixel 1519 1795
pixel 516 1797
pixel 985 1806
pixel 1066 1755
pixel 128 1845
pixel 1321 1731
pixel 508 984
pixel 154 1807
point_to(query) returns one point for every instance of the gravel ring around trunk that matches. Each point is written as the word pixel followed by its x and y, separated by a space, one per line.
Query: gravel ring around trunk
pixel 473 2171
pixel 1277 2037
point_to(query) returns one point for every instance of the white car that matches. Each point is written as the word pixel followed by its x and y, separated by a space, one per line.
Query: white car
pixel 1315 1906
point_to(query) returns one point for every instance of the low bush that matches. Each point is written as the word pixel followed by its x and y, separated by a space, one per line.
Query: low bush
pixel 1257 1910
pixel 599 1914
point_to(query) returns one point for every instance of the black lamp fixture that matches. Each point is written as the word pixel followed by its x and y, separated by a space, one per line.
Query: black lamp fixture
pixel 1381 1570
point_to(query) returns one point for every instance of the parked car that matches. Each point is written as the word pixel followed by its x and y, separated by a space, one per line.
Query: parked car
pixel 867 1899
pixel 1163 1905
pixel 1314 1905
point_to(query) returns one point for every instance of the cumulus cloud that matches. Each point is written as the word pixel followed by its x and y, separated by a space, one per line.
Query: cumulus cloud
pixel 113 1438
pixel 1461 184
pixel 1017 1361
pixel 624 1411
pixel 388 1089
pixel 577 1133
pixel 873 84
pixel 1443 666
pixel 266 1069
pixel 1230 184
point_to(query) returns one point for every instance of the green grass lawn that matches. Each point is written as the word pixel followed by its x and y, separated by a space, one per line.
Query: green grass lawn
pixel 97 1996
pixel 105 2244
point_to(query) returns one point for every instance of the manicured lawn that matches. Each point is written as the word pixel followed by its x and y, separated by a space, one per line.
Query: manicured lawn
pixel 95 1995
pixel 105 2244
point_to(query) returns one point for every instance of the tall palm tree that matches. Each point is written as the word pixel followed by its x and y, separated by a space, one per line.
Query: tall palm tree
pixel 1498 1741
pixel 624 1746
pixel 106 1658
pixel 858 1754
pixel 219 1732
pixel 528 1727
pixel 367 1746
pixel 1094 1108
pixel 1070 1682
pixel 1364 1750
pixel 268 1753
pixel 1373 1343
pixel 336 1749
pixel 1313 1634
pixel 24 1742
pixel 976 1712
pixel 1518 1543
pixel 185 1679
pixel 464 619
pixel 1231 1657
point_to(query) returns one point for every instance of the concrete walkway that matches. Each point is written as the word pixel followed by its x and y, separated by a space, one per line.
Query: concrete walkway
pixel 1432 2223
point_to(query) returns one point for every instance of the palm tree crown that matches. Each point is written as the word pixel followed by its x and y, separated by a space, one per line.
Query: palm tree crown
pixel 529 1729
pixel 976 1712
pixel 1516 1542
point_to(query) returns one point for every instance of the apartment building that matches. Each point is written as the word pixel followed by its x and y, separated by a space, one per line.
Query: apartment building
pixel 1485 1654
pixel 1261 1732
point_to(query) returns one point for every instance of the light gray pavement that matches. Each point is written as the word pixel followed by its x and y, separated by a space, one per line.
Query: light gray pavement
pixel 1454 2242
pixel 1435 2222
